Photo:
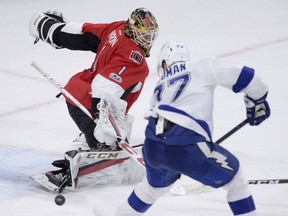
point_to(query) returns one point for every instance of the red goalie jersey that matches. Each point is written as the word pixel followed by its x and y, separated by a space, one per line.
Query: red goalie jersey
pixel 119 66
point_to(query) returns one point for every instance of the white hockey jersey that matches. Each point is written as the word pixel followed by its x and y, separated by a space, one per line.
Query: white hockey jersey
pixel 184 94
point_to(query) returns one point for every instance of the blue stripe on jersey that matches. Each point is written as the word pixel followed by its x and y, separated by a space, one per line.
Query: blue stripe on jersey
pixel 137 204
pixel 202 123
pixel 244 79
pixel 242 206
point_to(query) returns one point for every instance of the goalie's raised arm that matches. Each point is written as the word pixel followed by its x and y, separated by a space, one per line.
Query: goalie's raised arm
pixel 52 28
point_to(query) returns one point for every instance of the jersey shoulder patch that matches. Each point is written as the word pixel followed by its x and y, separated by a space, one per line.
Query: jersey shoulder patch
pixel 115 77
pixel 136 56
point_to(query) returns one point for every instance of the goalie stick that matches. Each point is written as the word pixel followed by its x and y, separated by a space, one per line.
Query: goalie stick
pixel 121 142
pixel 61 88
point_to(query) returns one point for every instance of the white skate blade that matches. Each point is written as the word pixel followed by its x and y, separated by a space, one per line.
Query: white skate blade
pixel 43 180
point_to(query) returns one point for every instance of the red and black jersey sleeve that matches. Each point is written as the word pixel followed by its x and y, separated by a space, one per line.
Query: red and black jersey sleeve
pixel 85 37
pixel 71 36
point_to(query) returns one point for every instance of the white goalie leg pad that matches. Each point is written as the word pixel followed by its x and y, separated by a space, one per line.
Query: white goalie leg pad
pixel 73 157
pixel 149 194
pixel 238 188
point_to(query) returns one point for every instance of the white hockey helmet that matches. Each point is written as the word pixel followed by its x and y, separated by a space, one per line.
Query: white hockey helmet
pixel 170 53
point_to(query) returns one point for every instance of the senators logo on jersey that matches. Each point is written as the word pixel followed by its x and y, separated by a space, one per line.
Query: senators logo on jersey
pixel 136 56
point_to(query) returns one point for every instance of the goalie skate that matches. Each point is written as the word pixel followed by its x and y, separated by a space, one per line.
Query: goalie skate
pixel 50 182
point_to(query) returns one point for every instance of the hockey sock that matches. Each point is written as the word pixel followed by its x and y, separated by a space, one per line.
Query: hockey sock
pixel 242 206
pixel 137 204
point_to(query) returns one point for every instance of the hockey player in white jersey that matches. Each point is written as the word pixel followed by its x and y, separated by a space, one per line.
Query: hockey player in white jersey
pixel 179 133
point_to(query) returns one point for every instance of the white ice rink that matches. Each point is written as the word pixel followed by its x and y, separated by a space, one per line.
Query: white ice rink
pixel 35 127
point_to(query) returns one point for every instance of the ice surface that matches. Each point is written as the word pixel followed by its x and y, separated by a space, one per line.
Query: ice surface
pixel 35 127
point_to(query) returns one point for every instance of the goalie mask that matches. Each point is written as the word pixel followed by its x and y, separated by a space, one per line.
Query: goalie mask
pixel 170 53
pixel 142 28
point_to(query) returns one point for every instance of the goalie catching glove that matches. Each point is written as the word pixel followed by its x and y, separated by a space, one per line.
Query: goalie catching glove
pixel 256 110
pixel 43 25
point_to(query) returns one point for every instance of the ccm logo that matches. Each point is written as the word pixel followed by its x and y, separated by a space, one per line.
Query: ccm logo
pixel 102 155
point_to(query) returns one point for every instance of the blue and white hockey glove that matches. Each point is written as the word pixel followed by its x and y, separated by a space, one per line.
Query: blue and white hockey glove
pixel 256 110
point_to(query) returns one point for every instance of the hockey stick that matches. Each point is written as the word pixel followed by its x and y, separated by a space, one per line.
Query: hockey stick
pixel 121 142
pixel 232 131
pixel 268 181
pixel 61 88
pixel 187 189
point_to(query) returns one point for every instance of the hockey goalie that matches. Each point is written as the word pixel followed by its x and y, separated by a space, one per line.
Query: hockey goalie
pixel 119 67
pixel 93 168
